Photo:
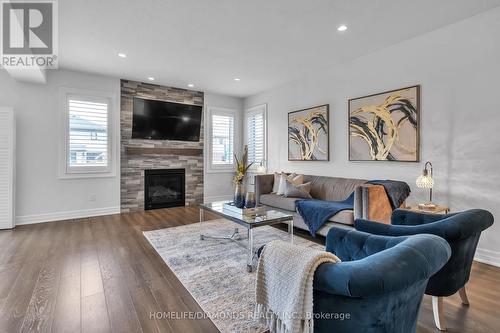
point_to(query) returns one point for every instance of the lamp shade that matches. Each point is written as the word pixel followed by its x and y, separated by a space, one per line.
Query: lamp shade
pixel 425 181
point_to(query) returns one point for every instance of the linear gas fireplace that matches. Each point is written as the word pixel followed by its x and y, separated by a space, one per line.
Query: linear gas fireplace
pixel 164 188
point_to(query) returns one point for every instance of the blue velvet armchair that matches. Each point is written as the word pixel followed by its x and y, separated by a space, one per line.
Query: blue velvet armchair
pixel 461 230
pixel 379 284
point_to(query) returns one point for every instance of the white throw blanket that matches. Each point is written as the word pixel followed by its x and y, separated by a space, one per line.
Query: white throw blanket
pixel 284 289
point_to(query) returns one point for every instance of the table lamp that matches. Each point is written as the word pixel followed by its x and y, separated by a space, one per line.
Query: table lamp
pixel 425 181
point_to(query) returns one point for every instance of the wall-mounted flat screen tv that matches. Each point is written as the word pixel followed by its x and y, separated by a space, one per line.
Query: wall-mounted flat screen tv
pixel 160 120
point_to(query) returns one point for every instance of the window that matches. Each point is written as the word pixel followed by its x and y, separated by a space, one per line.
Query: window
pixel 221 143
pixel 87 148
pixel 222 139
pixel 255 135
pixel 88 133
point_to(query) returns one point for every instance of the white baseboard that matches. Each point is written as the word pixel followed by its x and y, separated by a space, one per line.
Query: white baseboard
pixel 68 215
pixel 217 198
pixel 488 257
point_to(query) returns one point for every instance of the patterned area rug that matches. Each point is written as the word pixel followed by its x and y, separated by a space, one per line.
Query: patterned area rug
pixel 214 271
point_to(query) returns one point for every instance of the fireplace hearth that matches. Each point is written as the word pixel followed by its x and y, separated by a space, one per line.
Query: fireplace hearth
pixel 164 188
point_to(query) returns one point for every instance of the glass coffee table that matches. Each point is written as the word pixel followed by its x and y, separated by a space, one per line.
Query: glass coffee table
pixel 267 216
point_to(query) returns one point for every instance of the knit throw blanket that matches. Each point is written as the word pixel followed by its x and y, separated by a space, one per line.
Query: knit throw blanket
pixel 284 289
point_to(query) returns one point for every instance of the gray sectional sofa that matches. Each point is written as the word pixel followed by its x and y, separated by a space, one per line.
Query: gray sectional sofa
pixel 370 201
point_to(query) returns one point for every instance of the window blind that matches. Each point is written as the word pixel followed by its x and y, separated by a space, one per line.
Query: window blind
pixel 255 137
pixel 88 133
pixel 222 139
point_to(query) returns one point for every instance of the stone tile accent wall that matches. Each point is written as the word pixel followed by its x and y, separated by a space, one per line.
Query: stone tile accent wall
pixel 133 163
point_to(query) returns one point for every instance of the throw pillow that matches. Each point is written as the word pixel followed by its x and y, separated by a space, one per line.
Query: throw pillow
pixel 297 191
pixel 293 178
pixel 276 183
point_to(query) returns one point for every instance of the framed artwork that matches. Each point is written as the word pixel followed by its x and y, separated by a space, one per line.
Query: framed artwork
pixel 308 134
pixel 385 126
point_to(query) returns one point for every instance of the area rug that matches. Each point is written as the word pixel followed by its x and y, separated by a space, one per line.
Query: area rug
pixel 214 271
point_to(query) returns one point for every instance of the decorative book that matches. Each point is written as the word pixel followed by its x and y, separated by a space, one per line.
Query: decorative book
pixel 230 206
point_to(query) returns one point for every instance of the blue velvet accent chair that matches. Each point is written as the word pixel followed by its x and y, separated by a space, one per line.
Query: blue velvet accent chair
pixel 461 230
pixel 379 285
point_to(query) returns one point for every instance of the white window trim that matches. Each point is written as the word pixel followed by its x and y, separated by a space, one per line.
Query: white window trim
pixel 113 134
pixel 225 168
pixel 256 109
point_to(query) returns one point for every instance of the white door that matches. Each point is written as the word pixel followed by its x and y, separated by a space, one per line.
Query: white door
pixel 7 139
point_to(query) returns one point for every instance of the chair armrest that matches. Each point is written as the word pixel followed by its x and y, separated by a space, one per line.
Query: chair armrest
pixel 382 229
pixel 450 227
pixel 350 244
pixel 448 232
pixel 408 217
pixel 406 262
pixel 372 203
pixel 333 278
pixel 263 184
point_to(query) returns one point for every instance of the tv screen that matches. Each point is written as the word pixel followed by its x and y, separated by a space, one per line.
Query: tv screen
pixel 159 120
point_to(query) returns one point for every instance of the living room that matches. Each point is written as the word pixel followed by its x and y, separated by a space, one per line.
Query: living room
pixel 230 166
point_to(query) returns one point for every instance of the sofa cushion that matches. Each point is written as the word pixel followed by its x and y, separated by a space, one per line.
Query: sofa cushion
pixel 278 201
pixel 298 222
pixel 332 188
pixel 343 217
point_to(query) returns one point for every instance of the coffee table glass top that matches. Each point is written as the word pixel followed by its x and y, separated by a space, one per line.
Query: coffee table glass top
pixel 268 215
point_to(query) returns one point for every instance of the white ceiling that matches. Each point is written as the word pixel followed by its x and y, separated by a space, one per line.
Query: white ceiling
pixel 264 42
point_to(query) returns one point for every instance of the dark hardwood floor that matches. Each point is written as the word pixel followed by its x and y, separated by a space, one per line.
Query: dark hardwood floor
pixel 101 275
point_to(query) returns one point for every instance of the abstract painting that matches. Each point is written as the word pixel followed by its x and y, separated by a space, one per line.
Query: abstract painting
pixel 308 134
pixel 385 126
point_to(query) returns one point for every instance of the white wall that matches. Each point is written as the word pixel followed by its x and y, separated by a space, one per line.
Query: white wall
pixel 40 194
pixel 458 68
pixel 219 185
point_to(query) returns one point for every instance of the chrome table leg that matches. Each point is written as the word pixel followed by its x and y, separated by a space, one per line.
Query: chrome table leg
pixel 250 250
pixel 290 230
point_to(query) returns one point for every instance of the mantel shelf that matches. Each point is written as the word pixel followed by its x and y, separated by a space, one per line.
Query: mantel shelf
pixel 164 151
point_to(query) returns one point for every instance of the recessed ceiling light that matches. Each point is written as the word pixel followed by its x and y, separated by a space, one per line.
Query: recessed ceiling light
pixel 190 85
pixel 122 55
pixel 151 78
pixel 237 79
pixel 342 28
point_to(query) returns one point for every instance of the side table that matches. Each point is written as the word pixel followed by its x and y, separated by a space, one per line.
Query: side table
pixel 436 210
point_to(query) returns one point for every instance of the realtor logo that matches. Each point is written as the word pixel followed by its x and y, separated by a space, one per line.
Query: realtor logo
pixel 29 34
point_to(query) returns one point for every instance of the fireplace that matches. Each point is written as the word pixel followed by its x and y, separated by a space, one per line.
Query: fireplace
pixel 164 188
